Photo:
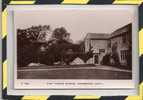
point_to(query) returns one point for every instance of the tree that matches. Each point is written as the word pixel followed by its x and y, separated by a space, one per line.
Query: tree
pixel 59 33
pixel 27 42
pixel 81 45
pixel 44 33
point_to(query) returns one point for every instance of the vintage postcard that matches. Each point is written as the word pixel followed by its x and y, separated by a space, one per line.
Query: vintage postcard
pixel 75 47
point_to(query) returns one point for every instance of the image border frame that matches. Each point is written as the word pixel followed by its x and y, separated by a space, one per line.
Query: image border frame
pixel 82 2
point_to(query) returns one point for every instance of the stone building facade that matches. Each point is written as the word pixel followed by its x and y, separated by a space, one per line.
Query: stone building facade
pixel 102 44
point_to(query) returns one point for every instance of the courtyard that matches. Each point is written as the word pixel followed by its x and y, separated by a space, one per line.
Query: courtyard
pixel 73 72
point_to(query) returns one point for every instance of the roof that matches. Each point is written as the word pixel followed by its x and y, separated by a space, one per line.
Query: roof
pixel 97 36
pixel 106 36
pixel 121 30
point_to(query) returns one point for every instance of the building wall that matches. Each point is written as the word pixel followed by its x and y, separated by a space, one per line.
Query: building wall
pixel 122 37
pixel 98 46
pixel 120 47
pixel 101 47
pixel 87 45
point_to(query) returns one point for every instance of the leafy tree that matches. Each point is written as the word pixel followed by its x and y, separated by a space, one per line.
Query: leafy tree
pixel 59 33
pixel 27 43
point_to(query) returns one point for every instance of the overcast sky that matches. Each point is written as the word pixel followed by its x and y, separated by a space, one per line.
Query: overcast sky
pixel 77 22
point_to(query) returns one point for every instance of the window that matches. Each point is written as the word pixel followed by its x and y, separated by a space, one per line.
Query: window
pixel 124 54
pixel 101 50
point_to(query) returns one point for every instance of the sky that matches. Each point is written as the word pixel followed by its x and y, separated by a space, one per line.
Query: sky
pixel 76 21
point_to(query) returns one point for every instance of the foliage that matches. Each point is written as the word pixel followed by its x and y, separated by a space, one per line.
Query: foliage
pixel 26 48
pixel 59 33
pixel 58 48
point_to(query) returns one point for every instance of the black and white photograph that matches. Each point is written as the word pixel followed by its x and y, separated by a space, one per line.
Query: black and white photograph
pixel 74 44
